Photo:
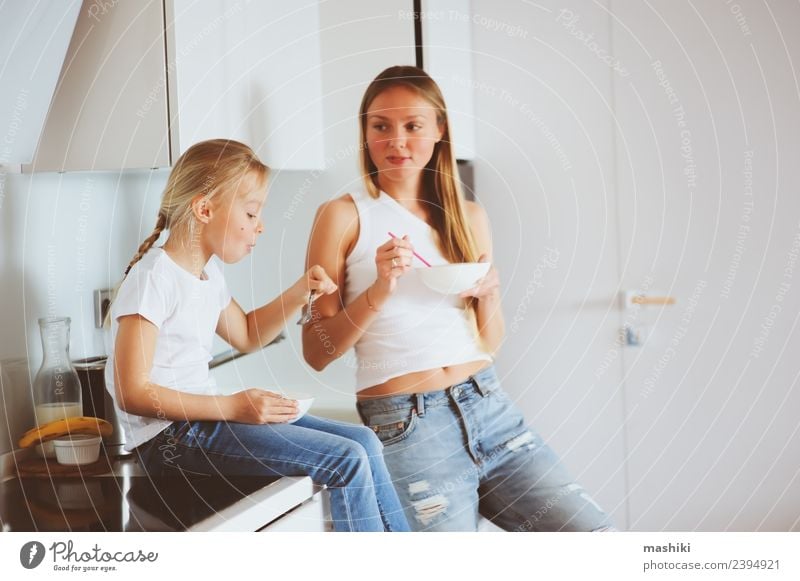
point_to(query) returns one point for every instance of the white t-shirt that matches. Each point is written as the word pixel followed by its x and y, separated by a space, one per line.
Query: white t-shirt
pixel 186 310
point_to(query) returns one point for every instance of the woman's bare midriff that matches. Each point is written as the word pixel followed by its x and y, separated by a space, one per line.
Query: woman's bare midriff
pixel 424 381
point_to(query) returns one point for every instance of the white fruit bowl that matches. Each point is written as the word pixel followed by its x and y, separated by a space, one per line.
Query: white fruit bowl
pixel 77 449
pixel 452 279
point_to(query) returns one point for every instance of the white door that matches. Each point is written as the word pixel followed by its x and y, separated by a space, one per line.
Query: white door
pixel 707 150
pixel 654 146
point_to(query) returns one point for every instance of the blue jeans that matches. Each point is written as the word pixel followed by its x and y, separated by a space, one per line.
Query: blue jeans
pixel 466 450
pixel 344 457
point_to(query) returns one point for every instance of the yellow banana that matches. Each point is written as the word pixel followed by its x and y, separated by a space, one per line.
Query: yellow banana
pixel 65 427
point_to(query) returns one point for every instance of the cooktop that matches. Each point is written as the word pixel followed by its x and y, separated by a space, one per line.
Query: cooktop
pixel 119 503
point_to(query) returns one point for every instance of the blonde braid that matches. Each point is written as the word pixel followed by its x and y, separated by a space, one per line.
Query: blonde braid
pixel 161 224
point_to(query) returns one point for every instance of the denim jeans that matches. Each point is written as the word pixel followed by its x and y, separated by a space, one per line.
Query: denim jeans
pixel 464 451
pixel 344 457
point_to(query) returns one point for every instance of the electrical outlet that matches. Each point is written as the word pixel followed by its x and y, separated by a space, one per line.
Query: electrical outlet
pixel 102 302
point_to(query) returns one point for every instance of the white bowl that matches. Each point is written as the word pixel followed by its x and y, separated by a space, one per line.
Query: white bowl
pixel 77 449
pixel 304 401
pixel 452 279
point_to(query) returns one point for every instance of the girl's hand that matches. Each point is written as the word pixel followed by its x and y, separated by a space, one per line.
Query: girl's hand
pixel 258 406
pixel 488 286
pixel 392 260
pixel 316 279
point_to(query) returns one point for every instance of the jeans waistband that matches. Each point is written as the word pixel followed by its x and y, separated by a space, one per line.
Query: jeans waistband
pixel 483 383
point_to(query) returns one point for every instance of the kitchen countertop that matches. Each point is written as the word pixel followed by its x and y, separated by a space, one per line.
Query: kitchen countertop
pixel 127 499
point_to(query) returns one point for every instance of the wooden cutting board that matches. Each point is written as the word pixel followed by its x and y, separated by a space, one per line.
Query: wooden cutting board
pixel 50 468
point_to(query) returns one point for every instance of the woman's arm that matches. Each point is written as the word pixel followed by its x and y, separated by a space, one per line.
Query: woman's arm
pixel 489 314
pixel 251 331
pixel 334 328
pixel 136 394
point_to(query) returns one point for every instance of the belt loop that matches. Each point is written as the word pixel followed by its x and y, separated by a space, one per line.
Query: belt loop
pixel 420 404
pixel 483 389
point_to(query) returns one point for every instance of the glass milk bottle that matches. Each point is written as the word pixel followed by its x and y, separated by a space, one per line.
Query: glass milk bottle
pixel 56 389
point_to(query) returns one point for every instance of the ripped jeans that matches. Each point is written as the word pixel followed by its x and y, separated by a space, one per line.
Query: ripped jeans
pixel 463 451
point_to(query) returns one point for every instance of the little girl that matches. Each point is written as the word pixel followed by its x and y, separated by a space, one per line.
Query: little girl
pixel 170 303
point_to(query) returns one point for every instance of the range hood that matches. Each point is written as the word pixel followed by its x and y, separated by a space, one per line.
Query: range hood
pixel 34 37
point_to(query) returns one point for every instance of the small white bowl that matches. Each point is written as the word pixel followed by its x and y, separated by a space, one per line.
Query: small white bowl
pixel 452 279
pixel 77 449
pixel 304 401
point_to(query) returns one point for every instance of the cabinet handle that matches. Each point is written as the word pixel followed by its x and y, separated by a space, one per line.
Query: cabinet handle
pixel 645 300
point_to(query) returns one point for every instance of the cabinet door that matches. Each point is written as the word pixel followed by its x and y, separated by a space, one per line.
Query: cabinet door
pixel 447 57
pixel 359 40
pixel 249 72
pixel 109 110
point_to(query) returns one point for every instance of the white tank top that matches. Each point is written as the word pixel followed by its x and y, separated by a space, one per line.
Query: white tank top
pixel 417 329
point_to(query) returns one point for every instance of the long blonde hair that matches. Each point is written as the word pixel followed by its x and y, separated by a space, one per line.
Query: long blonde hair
pixel 441 190
pixel 209 168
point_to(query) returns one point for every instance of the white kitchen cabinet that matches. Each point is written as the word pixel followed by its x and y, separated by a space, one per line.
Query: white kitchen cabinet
pixel 447 57
pixel 143 81
pixel 247 71
pixel 359 39
pixel 109 111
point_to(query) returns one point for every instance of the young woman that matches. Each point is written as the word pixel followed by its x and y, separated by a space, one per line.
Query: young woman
pixel 454 443
pixel 168 307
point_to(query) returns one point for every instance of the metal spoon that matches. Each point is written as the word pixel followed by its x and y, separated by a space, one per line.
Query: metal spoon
pixel 307 316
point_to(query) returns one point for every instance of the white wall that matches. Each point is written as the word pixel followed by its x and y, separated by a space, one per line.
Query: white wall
pixel 63 235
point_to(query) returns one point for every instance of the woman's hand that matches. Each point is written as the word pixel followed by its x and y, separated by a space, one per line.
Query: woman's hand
pixel 392 260
pixel 488 286
pixel 316 279
pixel 258 406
